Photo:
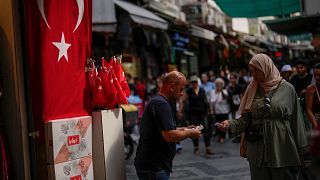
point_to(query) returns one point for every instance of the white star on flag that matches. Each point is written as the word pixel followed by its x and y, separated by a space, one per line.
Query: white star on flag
pixel 63 48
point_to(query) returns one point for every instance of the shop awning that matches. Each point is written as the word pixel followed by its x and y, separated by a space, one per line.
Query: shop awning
pixel 202 33
pixel 295 25
pixel 258 8
pixel 103 16
pixel 142 16
pixel 253 47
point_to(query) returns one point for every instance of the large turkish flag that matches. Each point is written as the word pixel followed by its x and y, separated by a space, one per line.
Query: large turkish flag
pixel 58 44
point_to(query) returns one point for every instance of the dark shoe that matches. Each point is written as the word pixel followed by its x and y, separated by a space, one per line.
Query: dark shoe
pixel 209 151
pixel 196 151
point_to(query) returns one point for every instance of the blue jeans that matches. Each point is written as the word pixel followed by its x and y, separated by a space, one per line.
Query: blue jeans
pixel 151 175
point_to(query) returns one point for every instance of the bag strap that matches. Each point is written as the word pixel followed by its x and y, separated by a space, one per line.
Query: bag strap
pixel 315 86
pixel 215 102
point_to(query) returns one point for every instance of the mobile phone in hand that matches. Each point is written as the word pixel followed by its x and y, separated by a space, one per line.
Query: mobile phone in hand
pixel 217 124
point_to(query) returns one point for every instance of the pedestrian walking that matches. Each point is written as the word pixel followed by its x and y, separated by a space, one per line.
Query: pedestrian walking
pixel 207 85
pixel 272 120
pixel 220 105
pixel 286 72
pixel 158 131
pixel 198 111
pixel 300 81
pixel 313 98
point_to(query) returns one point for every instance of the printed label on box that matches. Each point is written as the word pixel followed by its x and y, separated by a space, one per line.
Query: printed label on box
pixel 79 169
pixel 69 139
pixel 76 177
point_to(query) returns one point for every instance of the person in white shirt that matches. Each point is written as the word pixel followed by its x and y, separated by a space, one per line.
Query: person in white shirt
pixel 221 107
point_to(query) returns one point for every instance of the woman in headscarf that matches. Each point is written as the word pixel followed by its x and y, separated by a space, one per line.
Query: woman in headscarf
pixel 272 120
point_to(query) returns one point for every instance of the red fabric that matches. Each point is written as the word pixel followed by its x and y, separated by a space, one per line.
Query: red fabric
pixel 121 96
pixel 141 89
pixel 57 77
pixel 118 70
pixel 93 75
pixel 104 92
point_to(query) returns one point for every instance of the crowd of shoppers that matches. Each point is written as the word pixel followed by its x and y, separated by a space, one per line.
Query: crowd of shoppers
pixel 263 104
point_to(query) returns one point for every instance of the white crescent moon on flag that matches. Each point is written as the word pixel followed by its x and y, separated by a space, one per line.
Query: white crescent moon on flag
pixel 41 8
pixel 80 15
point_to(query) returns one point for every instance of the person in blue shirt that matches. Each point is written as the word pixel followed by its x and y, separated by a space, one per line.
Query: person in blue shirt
pixel 208 86
pixel 158 131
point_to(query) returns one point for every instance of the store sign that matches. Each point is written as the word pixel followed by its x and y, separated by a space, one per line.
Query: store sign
pixel 73 140
pixel 180 43
pixel 76 177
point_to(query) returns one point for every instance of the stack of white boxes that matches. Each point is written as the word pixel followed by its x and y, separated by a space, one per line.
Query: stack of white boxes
pixel 108 145
pixel 69 148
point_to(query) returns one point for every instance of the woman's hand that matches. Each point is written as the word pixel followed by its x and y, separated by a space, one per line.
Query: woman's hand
pixel 223 126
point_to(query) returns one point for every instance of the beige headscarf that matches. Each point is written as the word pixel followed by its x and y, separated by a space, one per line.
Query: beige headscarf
pixel 272 79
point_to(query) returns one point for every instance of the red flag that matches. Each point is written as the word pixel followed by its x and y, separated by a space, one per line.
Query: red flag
pixel 121 97
pixel 105 94
pixel 58 44
pixel 120 93
pixel 93 74
pixel 118 70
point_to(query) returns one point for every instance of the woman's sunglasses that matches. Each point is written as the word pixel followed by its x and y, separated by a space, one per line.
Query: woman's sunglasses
pixel 267 104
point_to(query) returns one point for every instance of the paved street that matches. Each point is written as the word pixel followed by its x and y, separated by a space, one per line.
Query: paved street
pixel 226 164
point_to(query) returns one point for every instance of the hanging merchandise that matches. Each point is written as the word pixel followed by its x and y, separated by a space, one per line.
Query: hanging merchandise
pixel 93 74
pixel 107 85
pixel 104 92
pixel 118 70
pixel 121 95
pixel 58 37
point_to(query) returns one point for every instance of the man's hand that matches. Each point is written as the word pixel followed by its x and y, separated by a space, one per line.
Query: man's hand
pixel 186 128
pixel 194 133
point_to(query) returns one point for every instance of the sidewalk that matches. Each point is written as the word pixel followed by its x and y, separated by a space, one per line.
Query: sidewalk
pixel 226 164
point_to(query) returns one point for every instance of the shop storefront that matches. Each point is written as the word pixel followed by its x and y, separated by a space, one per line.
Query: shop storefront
pixel 140 36
pixel 183 58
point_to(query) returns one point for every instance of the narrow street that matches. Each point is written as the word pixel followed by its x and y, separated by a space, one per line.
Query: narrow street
pixel 225 164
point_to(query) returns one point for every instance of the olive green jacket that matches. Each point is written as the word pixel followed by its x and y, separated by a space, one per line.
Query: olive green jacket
pixel 284 135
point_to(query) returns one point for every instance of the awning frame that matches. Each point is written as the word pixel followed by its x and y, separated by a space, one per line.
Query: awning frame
pixel 142 16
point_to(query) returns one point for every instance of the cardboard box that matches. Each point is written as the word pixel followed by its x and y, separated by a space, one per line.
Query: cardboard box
pixel 108 145
pixel 79 169
pixel 68 139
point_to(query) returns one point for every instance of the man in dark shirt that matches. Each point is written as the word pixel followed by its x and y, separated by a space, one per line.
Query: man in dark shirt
pixel 158 131
pixel 302 79
pixel 300 82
